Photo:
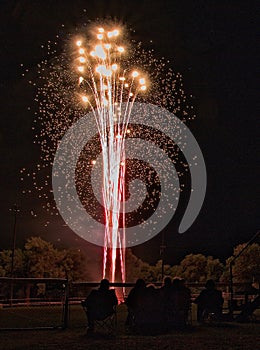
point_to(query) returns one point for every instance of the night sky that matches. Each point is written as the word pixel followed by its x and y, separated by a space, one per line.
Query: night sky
pixel 213 44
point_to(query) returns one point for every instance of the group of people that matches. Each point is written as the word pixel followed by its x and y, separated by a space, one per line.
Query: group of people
pixel 150 307
pixel 154 308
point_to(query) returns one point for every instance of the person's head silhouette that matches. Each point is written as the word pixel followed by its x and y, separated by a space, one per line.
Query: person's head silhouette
pixel 140 283
pixel 210 285
pixel 104 284
pixel 167 282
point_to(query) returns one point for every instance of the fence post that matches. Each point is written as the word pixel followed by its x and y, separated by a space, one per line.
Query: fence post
pixel 66 306
pixel 231 291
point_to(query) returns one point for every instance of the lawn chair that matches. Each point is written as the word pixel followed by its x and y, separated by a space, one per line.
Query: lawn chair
pixel 104 321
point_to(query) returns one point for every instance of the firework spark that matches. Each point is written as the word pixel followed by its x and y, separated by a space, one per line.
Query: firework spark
pixel 102 73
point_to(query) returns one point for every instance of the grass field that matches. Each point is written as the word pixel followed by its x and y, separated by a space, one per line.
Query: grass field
pixel 226 336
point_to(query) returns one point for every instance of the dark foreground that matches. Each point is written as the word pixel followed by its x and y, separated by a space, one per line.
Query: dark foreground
pixel 223 336
pixel 219 337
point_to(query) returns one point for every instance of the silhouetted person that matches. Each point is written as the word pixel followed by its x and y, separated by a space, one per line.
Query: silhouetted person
pixel 165 294
pixel 179 304
pixel 165 290
pixel 150 317
pixel 134 301
pixel 210 300
pixel 248 309
pixel 185 299
pixel 100 304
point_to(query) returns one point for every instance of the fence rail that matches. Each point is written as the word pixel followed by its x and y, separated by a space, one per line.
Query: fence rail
pixel 35 303
pixel 27 303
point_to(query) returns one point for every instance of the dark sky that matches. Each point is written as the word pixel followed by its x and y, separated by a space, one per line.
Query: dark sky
pixel 214 45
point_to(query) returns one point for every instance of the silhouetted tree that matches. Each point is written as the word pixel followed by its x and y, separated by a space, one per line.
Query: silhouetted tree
pixel 198 268
pixel 40 259
pixel 246 267
pixel 6 263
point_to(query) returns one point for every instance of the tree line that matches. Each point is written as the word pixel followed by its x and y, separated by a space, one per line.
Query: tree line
pixel 198 268
pixel 40 259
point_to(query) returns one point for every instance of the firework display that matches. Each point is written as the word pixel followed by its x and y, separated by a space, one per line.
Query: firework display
pixel 109 85
pixel 102 72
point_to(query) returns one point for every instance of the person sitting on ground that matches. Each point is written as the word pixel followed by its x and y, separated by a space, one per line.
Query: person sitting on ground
pixel 179 303
pixel 185 300
pixel 165 294
pixel 210 300
pixel 248 309
pixel 100 304
pixel 134 301
pixel 166 288
pixel 149 318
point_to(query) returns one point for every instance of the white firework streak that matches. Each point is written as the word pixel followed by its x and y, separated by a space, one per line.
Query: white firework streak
pixel 110 85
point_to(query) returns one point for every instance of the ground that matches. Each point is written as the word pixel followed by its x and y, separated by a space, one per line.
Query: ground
pixel 199 338
pixel 226 336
